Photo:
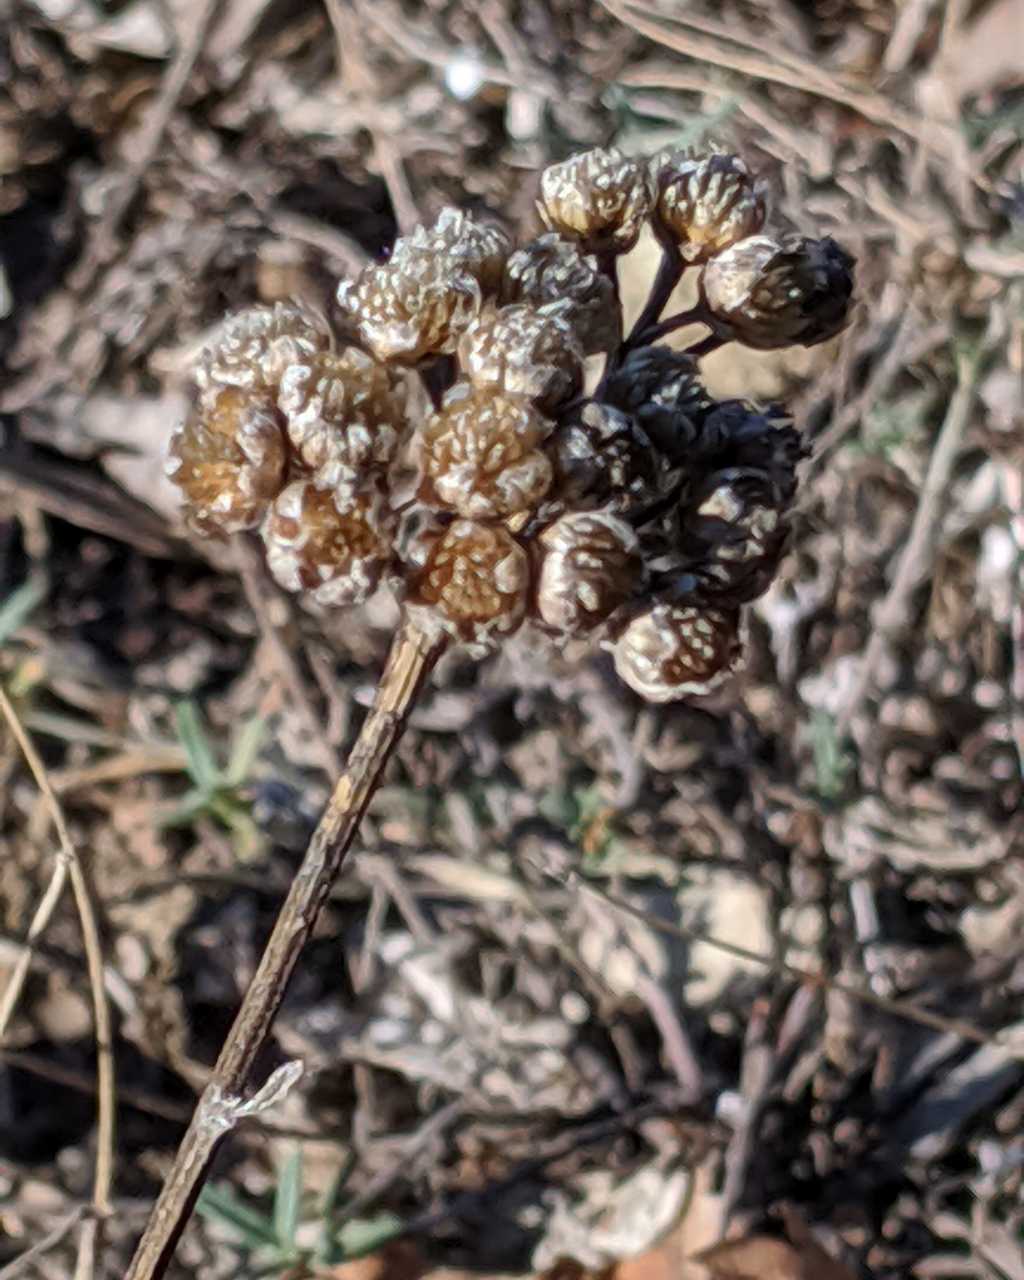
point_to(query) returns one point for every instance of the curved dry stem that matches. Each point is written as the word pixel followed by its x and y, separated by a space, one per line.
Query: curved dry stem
pixel 69 866
pixel 412 656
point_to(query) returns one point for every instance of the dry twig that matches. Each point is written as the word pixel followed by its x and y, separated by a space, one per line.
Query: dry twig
pixel 220 1107
pixel 70 866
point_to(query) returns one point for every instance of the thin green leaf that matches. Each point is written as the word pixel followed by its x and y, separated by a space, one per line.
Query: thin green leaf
pixel 220 1204
pixel 244 751
pixel 19 604
pixel 192 803
pixel 326 1249
pixel 202 763
pixel 365 1235
pixel 288 1201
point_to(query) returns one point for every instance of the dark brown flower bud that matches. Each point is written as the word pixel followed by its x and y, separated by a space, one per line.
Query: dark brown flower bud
pixel 602 458
pixel 761 440
pixel 480 454
pixel 228 460
pixel 523 351
pixel 473 584
pixel 663 391
pixel 590 567
pixel 705 203
pixel 253 348
pixel 344 415
pixel 598 197
pixel 732 532
pixel 551 270
pixel 767 293
pixel 675 651
pixel 474 247
pixel 413 306
pixel 337 556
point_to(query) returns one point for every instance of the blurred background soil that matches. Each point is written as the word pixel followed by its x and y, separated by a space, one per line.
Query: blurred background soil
pixel 507 1071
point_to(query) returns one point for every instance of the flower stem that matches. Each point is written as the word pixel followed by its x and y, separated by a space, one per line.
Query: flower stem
pixel 410 661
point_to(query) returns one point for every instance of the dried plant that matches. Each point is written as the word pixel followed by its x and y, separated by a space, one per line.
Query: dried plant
pixel 643 514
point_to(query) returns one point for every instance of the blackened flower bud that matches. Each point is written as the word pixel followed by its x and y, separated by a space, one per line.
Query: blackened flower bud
pixel 473 584
pixel 480 454
pixel 602 458
pixel 344 414
pixel 416 305
pixel 476 248
pixel 598 197
pixel 675 651
pixel 662 389
pixel 763 440
pixel 732 532
pixel 228 460
pixel 524 351
pixel 705 203
pixel 767 293
pixel 590 566
pixel 337 556
pixel 551 270
pixel 253 347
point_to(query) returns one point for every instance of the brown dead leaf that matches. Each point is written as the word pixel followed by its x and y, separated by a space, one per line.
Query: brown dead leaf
pixel 765 1258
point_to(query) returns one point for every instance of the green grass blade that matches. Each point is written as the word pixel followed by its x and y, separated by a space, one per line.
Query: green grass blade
pixel 202 764
pixel 220 1204
pixel 288 1201
pixel 19 604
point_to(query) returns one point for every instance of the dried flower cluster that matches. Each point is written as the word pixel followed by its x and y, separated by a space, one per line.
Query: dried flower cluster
pixel 643 513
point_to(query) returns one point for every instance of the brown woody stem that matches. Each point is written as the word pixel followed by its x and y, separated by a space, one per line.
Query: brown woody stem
pixel 410 661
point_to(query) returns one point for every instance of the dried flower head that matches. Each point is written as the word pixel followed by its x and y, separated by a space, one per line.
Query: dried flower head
pixel 598 197
pixel 254 347
pixel 602 458
pixel 673 651
pixel 344 415
pixel 767 293
pixel 480 454
pixel 473 583
pixel 552 270
pixel 705 203
pixel 524 351
pixel 663 390
pixel 590 566
pixel 731 534
pixel 228 460
pixel 416 305
pixel 477 248
pixel 337 556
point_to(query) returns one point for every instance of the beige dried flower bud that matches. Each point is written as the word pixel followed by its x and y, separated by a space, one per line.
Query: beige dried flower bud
pixel 552 270
pixel 413 306
pixel 767 293
pixel 705 203
pixel 474 247
pixel 228 460
pixel 675 651
pixel 344 414
pixel 337 556
pixel 480 454
pixel 599 197
pixel 524 351
pixel 254 347
pixel 473 583
pixel 590 566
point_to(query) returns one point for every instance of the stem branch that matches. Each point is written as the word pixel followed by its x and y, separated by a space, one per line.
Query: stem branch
pixel 412 656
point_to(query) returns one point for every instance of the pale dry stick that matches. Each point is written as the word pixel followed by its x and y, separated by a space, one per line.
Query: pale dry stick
pixel 915 561
pixel 933 135
pixel 25 1262
pixel 105 1106
pixel 349 39
pixel 820 981
pixel 410 661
